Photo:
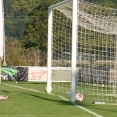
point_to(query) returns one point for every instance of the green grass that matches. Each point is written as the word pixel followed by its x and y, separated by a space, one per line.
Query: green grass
pixel 25 102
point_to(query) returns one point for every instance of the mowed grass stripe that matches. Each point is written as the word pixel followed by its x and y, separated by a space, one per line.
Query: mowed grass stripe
pixel 59 96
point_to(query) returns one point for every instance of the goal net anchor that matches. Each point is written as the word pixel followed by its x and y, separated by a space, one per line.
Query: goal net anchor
pixel 98 102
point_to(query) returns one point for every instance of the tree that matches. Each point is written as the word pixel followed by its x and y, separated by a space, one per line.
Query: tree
pixel 28 20
pixel 34 15
pixel 108 3
pixel 15 54
pixel 35 35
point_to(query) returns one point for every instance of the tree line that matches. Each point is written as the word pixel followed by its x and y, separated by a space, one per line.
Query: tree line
pixel 26 24
pixel 26 30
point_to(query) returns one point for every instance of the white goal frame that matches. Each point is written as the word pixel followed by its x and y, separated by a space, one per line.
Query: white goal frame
pixel 97 26
pixel 74 37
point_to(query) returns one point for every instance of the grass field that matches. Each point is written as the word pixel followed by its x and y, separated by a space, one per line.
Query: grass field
pixel 29 99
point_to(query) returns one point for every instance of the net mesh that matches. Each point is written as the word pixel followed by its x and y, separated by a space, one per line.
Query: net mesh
pixel 96 63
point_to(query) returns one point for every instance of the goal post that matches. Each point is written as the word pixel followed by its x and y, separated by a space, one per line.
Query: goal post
pixel 50 39
pixel 74 36
pixel 82 51
pixel 74 48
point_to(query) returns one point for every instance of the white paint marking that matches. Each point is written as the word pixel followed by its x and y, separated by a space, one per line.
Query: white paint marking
pixel 91 112
pixel 25 88
pixel 19 115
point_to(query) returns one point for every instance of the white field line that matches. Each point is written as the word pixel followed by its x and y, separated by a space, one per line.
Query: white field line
pixel 25 88
pixel 18 115
pixel 91 112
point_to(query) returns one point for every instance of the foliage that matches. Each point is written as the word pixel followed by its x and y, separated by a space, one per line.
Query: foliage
pixel 35 34
pixel 14 54
pixel 28 18
pixel 108 3
pixel 26 24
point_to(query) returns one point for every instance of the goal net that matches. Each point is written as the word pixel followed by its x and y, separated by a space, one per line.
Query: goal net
pixel 82 55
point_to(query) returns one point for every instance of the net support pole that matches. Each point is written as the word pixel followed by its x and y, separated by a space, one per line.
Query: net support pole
pixel 1 34
pixel 74 42
pixel 49 50
pixel 4 58
pixel 115 69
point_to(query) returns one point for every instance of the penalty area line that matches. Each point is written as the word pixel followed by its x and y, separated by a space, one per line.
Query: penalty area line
pixel 25 88
pixel 91 112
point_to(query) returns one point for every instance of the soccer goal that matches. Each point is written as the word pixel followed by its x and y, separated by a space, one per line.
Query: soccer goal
pixel 82 51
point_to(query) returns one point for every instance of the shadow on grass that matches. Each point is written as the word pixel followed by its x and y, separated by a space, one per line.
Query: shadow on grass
pixel 4 91
pixel 38 83
pixel 49 99
pixel 88 106
pixel 101 107
pixel 31 82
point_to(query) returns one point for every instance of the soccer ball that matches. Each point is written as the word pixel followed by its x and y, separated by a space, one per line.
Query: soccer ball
pixel 78 97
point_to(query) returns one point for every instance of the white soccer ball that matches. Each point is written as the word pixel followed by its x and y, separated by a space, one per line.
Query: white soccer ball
pixel 79 97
